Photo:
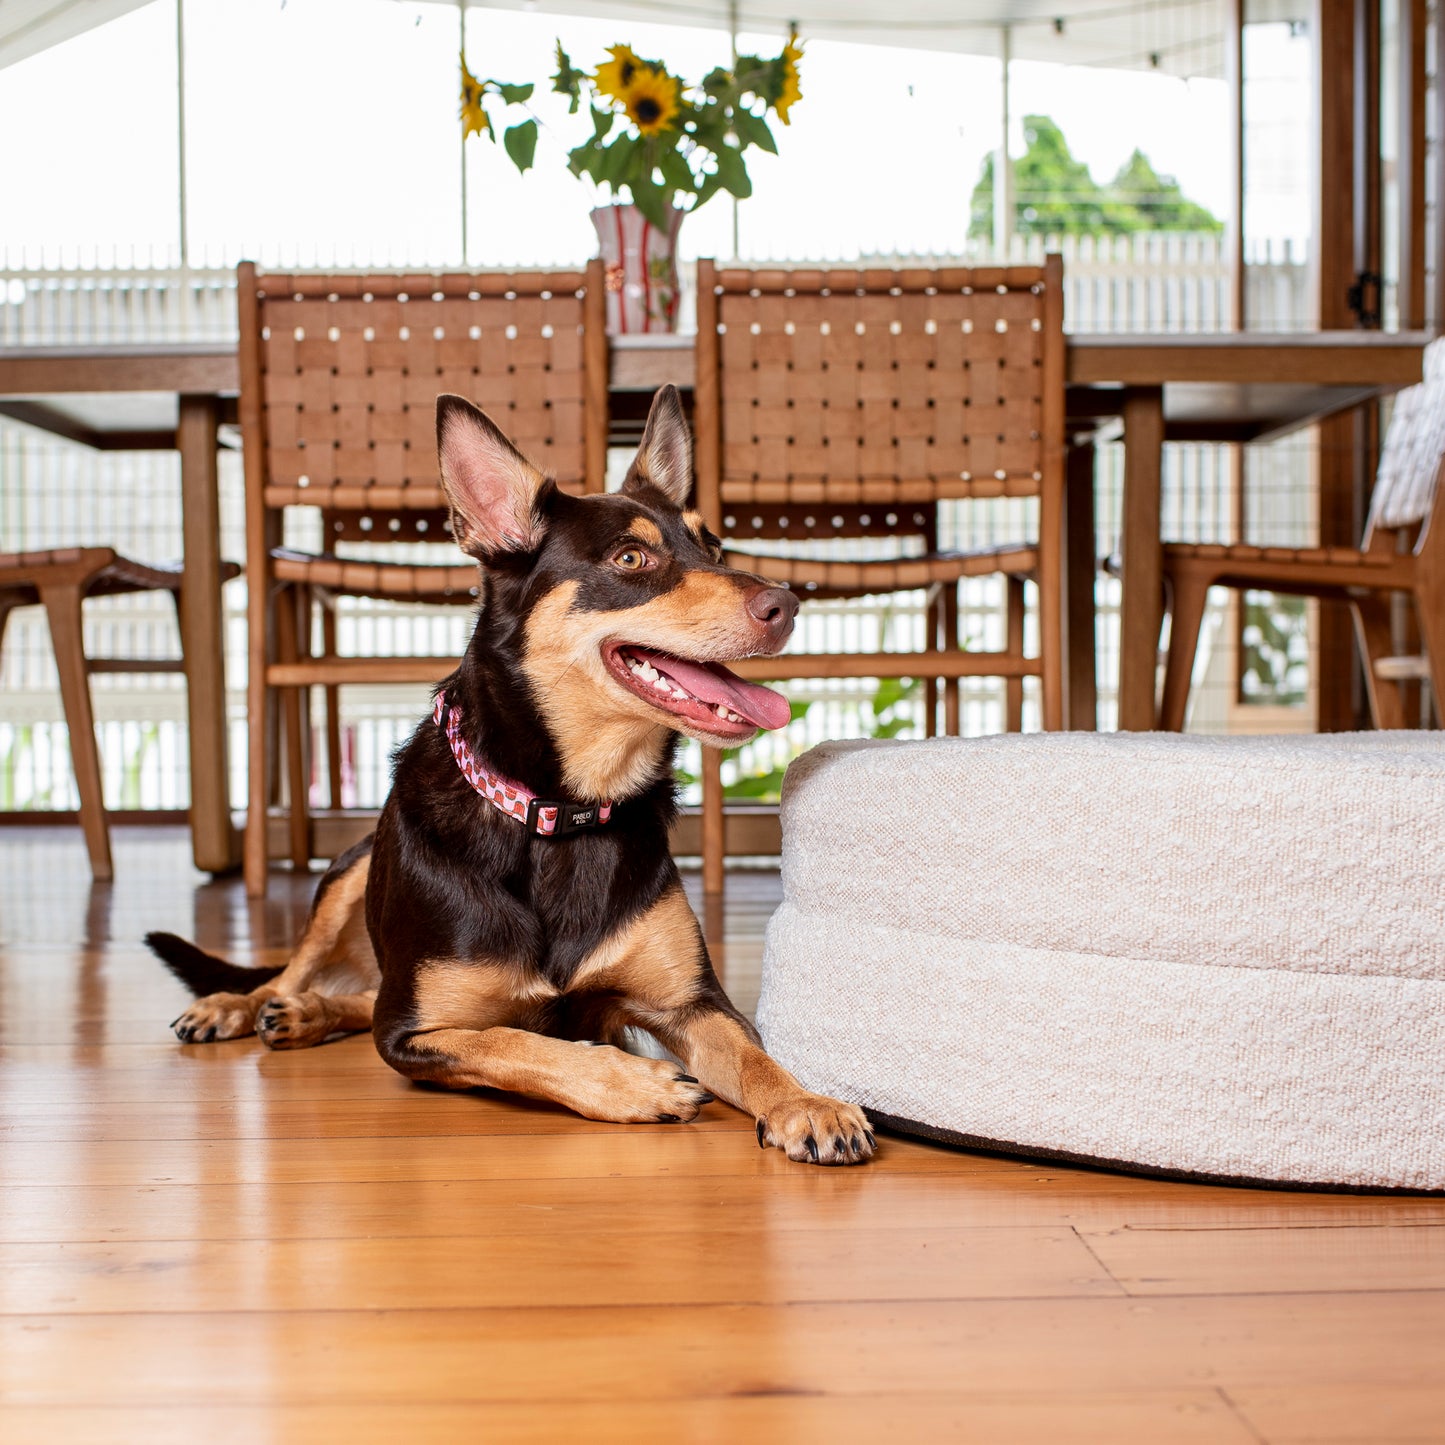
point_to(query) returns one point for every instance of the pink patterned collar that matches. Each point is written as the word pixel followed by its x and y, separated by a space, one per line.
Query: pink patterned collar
pixel 547 818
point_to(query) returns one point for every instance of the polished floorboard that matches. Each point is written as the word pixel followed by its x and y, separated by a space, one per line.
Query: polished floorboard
pixel 215 1243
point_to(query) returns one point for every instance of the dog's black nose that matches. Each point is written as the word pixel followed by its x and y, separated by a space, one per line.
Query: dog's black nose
pixel 775 608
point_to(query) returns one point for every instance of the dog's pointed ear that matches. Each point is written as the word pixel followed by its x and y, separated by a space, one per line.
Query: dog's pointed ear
pixel 664 459
pixel 492 488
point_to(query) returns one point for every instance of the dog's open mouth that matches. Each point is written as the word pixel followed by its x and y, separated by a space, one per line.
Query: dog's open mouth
pixel 704 694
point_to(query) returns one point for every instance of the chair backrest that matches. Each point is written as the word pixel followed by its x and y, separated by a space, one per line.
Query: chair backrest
pixel 340 374
pixel 1413 449
pixel 855 390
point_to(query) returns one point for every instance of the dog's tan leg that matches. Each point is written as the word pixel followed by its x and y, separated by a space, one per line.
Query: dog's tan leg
pixel 724 1051
pixel 334 913
pixel 464 1026
pixel 298 1020
pixel 594 1080
pixel 660 967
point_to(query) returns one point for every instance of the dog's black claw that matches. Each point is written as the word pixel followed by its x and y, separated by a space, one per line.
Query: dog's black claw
pixel 209 1034
pixel 667 1119
pixel 685 1079
pixel 868 1134
pixel 706 1099
pixel 857 1145
pixel 840 1144
pixel 762 1129
pixel 811 1145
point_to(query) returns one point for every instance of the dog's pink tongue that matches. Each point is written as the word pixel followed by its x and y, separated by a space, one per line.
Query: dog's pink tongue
pixel 713 683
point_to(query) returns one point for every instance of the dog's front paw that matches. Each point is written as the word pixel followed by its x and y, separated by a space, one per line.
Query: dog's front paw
pixel 217 1016
pixel 294 1022
pixel 632 1090
pixel 814 1129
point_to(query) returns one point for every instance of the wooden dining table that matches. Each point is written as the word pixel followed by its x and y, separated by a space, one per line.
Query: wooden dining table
pixel 1181 387
pixel 1232 387
pixel 158 398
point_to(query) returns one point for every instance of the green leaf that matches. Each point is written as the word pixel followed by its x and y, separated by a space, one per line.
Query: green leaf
pixel 675 170
pixel 514 94
pixel 582 160
pixel 707 188
pixel 612 166
pixel 732 173
pixel 521 144
pixel 764 785
pixel 601 122
pixel 568 80
pixel 651 200
pixel 753 130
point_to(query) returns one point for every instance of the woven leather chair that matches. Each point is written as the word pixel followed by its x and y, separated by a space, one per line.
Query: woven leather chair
pixel 339 380
pixel 850 403
pixel 1403 551
pixel 61 580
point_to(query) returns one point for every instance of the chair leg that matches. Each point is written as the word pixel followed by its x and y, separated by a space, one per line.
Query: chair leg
pixel 1376 638
pixel 1430 613
pixel 62 607
pixel 1014 686
pixel 948 641
pixel 291 609
pixel 714 840
pixel 332 696
pixel 1186 617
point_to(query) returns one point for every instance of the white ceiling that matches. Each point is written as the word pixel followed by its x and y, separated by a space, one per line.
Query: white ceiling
pixel 1178 37
pixel 30 26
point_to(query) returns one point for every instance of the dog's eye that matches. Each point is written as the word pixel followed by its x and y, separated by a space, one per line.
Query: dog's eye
pixel 632 559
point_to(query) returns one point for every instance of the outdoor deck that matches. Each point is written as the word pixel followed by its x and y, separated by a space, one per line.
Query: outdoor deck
pixel 218 1243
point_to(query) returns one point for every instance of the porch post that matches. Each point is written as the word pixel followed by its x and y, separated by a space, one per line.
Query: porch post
pixel 1003 190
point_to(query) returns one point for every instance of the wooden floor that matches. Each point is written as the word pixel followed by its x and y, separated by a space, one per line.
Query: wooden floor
pixel 217 1243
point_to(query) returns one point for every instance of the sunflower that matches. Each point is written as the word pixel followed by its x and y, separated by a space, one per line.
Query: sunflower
pixel 651 101
pixel 789 94
pixel 474 118
pixel 615 78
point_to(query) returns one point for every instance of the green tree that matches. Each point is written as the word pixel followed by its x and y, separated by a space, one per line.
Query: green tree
pixel 1146 201
pixel 1055 195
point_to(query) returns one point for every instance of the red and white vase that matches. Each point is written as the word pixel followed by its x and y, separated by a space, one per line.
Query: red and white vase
pixel 640 264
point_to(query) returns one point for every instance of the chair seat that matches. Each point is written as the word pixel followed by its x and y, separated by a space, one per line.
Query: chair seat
pixel 1243 552
pixel 101 571
pixel 842 578
pixel 434 583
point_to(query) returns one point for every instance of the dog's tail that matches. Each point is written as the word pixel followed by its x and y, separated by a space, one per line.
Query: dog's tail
pixel 201 972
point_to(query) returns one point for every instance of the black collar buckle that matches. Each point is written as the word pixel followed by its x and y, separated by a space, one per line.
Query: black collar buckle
pixel 565 817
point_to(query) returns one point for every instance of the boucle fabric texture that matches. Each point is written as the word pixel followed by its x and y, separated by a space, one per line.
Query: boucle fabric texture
pixel 1221 957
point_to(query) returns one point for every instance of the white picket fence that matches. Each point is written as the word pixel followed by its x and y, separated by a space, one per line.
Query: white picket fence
pixel 53 492
pixel 1149 282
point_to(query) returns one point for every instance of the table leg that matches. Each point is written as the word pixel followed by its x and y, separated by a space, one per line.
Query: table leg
pixel 1081 562
pixel 214 844
pixel 1141 605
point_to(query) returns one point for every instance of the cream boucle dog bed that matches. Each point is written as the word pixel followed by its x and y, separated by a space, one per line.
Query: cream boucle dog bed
pixel 1211 957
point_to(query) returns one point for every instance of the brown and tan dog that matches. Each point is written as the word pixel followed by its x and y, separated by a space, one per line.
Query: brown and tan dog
pixel 512 951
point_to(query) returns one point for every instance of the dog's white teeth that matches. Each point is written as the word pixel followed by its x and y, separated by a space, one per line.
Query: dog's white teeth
pixel 678 693
pixel 722 711
pixel 648 671
pixel 733 717
pixel 662 684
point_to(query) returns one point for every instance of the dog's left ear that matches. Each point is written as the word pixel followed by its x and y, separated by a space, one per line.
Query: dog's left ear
pixel 664 459
pixel 493 489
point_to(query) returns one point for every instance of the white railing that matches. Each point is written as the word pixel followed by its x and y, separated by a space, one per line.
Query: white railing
pixel 1148 282
pixel 53 492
